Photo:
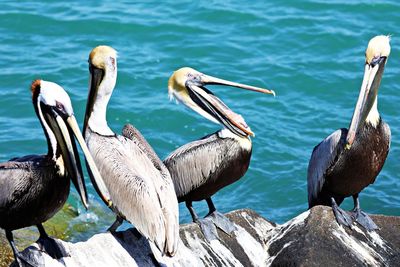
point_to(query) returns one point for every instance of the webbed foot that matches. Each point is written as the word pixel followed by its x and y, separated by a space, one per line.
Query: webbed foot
pixel 342 217
pixel 222 222
pixel 211 221
pixel 364 220
pixel 53 248
pixel 208 228
pixel 361 217
pixel 33 259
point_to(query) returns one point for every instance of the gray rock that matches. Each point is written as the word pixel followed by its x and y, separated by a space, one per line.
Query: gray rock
pixel 313 238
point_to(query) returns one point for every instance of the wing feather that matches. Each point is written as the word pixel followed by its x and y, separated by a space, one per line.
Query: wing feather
pixel 14 175
pixel 324 155
pixel 192 164
pixel 163 186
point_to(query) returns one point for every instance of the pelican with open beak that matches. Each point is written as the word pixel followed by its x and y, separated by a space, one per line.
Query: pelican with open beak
pixel 33 188
pixel 349 160
pixel 201 168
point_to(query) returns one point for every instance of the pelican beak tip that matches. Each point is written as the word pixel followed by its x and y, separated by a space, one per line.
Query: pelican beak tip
pixel 347 146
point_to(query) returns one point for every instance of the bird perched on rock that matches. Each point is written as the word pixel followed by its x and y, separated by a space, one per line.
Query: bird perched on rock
pixel 136 185
pixel 201 168
pixel 349 160
pixel 34 187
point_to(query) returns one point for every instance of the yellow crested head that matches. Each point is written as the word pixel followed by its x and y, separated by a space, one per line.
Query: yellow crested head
pixel 177 81
pixel 379 46
pixel 99 56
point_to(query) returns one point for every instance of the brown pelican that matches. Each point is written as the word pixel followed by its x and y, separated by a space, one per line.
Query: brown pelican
pixel 34 187
pixel 137 186
pixel 349 160
pixel 202 167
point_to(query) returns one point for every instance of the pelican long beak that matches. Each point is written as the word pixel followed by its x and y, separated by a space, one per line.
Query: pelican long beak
pixel 214 107
pixel 206 79
pixel 73 162
pixel 98 180
pixel 218 111
pixel 368 93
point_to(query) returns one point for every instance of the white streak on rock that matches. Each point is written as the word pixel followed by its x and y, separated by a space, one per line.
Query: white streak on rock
pixel 104 250
pixel 359 249
pixel 197 246
pixel 377 240
pixel 224 254
pixel 183 257
pixel 272 258
pixel 253 248
pixel 262 227
pixel 373 237
pixel 281 230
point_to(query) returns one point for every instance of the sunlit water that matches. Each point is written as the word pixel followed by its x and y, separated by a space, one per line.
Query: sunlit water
pixel 311 53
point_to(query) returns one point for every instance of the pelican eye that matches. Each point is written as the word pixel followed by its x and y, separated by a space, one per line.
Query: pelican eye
pixel 60 106
pixel 376 60
pixel 195 78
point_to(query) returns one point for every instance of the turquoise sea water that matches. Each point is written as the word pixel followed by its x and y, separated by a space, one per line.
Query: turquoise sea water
pixel 310 52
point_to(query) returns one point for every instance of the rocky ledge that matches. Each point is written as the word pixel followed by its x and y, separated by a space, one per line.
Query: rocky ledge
pixel 313 238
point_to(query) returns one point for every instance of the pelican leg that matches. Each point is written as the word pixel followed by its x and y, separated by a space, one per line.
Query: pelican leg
pixel 220 220
pixel 207 226
pixel 50 245
pixel 19 258
pixel 193 213
pixel 342 217
pixel 117 223
pixel 361 217
pixel 211 207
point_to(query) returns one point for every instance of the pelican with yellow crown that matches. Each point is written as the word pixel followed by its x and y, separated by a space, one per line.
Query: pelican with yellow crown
pixel 349 160
pixel 136 185
pixel 202 167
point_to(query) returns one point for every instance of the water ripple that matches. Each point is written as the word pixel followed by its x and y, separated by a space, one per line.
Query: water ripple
pixel 311 53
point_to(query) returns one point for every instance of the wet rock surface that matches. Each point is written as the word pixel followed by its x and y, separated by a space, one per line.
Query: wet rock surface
pixel 313 238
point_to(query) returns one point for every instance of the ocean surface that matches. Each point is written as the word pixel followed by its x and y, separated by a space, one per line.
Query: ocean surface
pixel 310 52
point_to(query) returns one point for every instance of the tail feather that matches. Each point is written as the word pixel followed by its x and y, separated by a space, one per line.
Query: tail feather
pixel 172 233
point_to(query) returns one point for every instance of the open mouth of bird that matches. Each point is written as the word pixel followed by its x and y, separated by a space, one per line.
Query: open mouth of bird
pixel 218 110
